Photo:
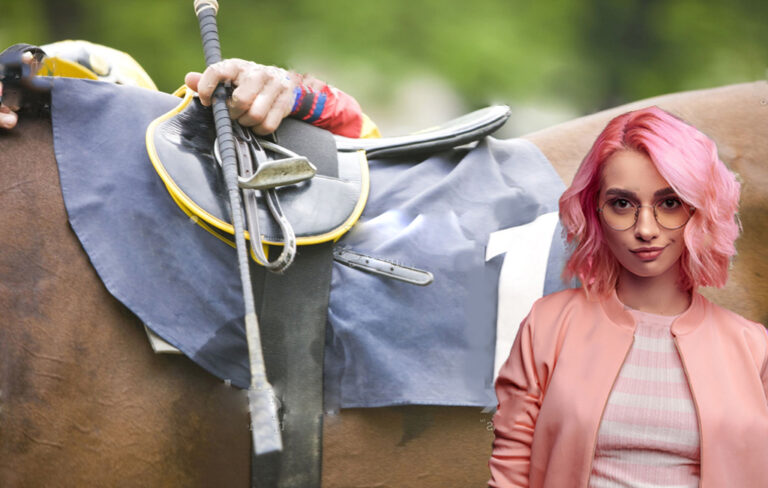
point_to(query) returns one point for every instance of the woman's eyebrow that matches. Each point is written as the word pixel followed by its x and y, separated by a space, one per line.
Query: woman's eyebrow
pixel 618 192
pixel 664 192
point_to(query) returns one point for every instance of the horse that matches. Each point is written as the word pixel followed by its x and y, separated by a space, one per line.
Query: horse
pixel 85 402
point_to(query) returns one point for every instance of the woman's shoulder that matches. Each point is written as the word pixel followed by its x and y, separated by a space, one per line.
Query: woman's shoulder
pixel 734 327
pixel 556 308
pixel 561 300
pixel 729 318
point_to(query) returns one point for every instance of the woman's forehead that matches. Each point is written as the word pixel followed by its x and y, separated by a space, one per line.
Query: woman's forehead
pixel 632 171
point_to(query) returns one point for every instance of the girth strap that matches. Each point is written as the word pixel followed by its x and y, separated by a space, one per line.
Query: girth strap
pixel 293 319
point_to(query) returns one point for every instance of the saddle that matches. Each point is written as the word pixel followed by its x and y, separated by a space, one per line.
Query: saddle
pixel 301 185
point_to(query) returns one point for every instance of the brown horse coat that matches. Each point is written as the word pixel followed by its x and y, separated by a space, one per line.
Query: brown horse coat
pixel 83 400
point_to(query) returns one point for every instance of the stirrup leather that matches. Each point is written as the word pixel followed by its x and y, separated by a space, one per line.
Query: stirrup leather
pixel 257 172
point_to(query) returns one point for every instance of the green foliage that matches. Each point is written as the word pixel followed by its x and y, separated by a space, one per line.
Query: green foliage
pixel 588 54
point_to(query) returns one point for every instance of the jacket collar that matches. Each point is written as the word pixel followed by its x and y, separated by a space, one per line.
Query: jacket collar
pixel 687 321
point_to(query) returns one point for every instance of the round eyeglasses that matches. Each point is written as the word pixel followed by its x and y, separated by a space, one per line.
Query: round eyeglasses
pixel 621 214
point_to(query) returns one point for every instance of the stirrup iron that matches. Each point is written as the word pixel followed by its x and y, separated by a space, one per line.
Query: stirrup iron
pixel 264 176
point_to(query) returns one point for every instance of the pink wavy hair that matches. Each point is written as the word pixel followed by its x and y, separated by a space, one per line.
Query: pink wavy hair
pixel 688 160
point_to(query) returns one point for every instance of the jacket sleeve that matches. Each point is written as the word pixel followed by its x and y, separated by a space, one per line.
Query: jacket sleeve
pixel 330 108
pixel 519 394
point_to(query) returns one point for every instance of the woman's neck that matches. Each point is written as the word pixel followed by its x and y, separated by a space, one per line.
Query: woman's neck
pixel 657 294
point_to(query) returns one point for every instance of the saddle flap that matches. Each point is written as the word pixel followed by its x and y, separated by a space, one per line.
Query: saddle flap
pixel 180 144
pixel 459 131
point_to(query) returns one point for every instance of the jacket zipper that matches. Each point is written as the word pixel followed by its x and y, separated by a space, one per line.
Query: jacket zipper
pixel 602 413
pixel 693 397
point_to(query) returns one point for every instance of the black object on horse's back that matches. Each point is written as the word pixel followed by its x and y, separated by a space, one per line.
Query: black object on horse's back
pixel 20 87
pixel 261 399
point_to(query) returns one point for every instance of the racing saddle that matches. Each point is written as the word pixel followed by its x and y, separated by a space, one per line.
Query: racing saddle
pixel 301 185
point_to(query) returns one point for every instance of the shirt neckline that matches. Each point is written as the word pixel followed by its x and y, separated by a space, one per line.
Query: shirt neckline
pixel 686 323
pixel 649 318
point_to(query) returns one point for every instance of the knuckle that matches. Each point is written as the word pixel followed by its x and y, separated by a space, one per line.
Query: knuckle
pixel 271 71
pixel 249 77
pixel 252 77
pixel 256 115
pixel 238 102
pixel 279 75
pixel 216 70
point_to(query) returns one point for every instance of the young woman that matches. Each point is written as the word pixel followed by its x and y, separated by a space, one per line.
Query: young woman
pixel 635 379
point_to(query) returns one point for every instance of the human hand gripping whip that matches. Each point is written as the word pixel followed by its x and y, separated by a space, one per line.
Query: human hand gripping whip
pixel 265 427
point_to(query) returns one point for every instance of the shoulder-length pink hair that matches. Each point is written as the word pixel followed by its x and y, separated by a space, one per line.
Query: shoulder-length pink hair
pixel 688 160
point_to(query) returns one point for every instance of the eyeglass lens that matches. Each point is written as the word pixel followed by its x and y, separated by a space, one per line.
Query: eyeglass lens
pixel 621 214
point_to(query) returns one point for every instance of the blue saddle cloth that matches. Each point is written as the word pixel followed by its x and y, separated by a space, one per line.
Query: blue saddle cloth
pixel 395 343
pixel 388 343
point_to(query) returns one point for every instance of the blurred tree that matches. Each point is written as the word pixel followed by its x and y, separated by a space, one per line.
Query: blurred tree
pixel 622 36
pixel 586 54
pixel 62 18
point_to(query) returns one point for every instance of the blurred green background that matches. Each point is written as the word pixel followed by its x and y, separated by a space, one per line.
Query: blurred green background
pixel 415 62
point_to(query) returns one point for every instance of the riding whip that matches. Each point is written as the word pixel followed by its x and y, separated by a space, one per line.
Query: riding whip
pixel 261 398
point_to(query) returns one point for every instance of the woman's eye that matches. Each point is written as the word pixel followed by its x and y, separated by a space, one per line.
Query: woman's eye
pixel 621 204
pixel 670 204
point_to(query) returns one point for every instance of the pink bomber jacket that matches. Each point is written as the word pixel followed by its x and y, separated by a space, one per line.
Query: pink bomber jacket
pixel 553 389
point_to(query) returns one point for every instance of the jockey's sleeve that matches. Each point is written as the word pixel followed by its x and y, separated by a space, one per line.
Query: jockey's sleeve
pixel 330 108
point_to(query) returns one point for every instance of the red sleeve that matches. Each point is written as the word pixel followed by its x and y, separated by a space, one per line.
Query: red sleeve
pixel 329 108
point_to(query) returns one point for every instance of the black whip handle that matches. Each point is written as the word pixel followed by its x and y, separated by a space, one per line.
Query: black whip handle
pixel 206 15
pixel 262 403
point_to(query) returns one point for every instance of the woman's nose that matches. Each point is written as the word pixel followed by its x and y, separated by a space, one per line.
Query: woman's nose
pixel 646 227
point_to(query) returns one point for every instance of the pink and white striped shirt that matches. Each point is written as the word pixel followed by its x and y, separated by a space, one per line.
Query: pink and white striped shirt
pixel 649 436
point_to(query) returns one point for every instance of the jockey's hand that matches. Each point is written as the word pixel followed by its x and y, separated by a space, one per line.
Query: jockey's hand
pixel 8 117
pixel 262 97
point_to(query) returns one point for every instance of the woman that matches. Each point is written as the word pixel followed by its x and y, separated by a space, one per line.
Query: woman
pixel 635 379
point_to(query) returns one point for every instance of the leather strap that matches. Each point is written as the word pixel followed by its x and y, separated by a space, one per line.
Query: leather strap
pixel 459 131
pixel 293 319
pixel 249 156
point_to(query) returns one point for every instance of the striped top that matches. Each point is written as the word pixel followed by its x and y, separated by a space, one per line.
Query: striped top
pixel 649 436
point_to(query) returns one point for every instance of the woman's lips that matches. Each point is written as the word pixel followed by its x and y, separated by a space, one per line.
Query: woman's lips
pixel 648 253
